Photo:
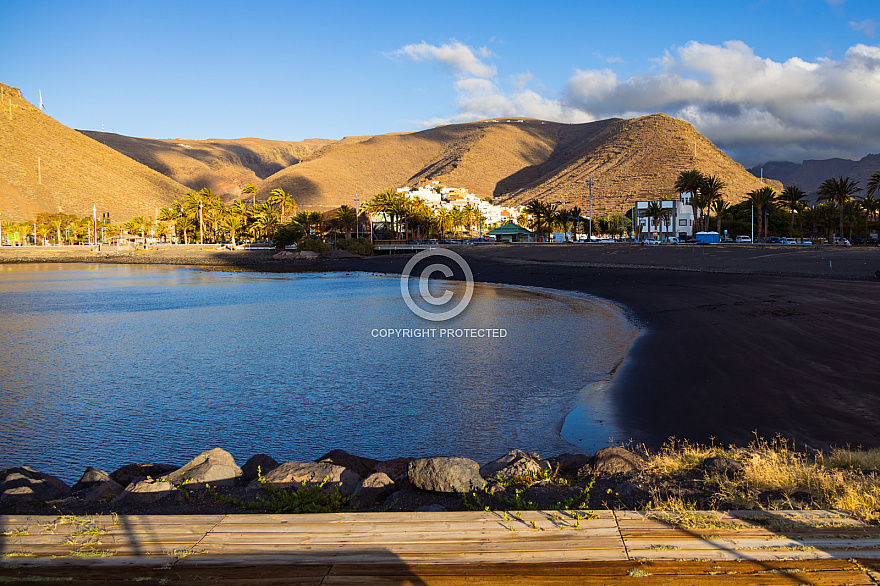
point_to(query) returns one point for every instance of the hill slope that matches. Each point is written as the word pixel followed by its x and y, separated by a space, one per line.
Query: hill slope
pixel 517 160
pixel 48 167
pixel 224 166
pixel 810 174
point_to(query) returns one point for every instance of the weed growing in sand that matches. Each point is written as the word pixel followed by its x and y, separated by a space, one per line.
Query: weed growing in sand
pixel 775 476
pixel 578 501
pixel 531 478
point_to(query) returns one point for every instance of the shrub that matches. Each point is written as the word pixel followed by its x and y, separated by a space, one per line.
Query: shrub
pixel 286 235
pixel 361 246
pixel 312 244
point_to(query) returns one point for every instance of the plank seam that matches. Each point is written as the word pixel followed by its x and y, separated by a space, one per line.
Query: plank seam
pixel 620 534
pixel 205 534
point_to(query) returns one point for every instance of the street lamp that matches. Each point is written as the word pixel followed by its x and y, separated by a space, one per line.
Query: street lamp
pixel 201 224
pixel 95 221
pixel 357 218
pixel 590 185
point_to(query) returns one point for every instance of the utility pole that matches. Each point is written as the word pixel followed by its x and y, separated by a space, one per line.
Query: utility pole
pixel 201 225
pixel 590 184
pixel 95 221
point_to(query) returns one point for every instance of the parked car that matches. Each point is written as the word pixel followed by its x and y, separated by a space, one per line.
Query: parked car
pixel 808 241
pixel 774 240
pixel 743 239
pixel 789 241
pixel 673 240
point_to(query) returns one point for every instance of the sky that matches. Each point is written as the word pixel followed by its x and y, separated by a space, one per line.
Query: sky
pixel 763 79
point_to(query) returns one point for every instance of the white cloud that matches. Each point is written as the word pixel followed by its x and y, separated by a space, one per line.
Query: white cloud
pixel 754 108
pixel 748 105
pixel 869 27
pixel 459 58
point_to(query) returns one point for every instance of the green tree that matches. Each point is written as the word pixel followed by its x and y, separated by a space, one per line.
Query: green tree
pixel 250 189
pixel 790 199
pixel 762 199
pixel 870 205
pixel 838 191
pixel 345 217
pixel 283 200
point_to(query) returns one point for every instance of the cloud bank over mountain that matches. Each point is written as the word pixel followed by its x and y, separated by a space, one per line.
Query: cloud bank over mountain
pixel 754 108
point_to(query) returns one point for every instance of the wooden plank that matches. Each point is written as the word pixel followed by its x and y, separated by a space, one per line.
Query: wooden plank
pixel 450 516
pixel 383 536
pixel 439 526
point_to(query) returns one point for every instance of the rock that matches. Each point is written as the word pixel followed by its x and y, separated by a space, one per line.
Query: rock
pixel 308 254
pixel 512 464
pixel 149 492
pixel 22 500
pixel 445 474
pixel 724 466
pixel 125 475
pixel 262 462
pixel 286 255
pixel 374 489
pixel 360 465
pixel 396 469
pixel 215 467
pixel 613 460
pixel 431 509
pixel 569 463
pixel 96 486
pixel 43 486
pixel 307 474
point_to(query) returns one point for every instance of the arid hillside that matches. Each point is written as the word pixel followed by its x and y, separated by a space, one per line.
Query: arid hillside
pixel 810 174
pixel 48 167
pixel 224 166
pixel 516 160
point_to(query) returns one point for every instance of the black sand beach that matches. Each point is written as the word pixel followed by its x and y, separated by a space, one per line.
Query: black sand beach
pixel 737 340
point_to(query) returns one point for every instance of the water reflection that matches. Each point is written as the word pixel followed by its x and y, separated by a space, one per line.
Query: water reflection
pixel 109 364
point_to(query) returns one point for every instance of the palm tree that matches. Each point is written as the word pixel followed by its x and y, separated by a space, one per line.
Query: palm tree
pixel 791 198
pixel 56 224
pixel 561 217
pixel 762 198
pixel 345 218
pixel 656 213
pixel 284 201
pixel 719 206
pixel 839 191
pixel 711 190
pixel 232 223
pixel 250 189
pixel 871 206
pixel 874 183
pixel 576 212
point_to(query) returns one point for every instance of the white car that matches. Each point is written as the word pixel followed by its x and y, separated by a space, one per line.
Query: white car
pixel 789 241
pixel 743 239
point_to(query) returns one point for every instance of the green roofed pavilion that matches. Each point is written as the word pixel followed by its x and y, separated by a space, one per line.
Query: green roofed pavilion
pixel 511 232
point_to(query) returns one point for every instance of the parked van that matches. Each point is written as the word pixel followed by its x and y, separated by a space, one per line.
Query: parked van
pixel 743 239
pixel 672 240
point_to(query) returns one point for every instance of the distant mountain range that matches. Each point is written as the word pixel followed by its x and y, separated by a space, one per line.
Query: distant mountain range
pixel 45 166
pixel 809 175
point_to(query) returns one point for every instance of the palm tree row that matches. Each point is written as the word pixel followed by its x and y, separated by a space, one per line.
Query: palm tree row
pixel 412 216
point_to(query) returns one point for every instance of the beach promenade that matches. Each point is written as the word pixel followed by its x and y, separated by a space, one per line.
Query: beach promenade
pixel 492 547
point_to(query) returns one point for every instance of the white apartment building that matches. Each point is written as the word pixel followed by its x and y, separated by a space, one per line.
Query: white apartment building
pixel 678 222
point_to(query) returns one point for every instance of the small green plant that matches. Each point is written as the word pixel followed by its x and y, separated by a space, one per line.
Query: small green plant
pixel 312 499
pixel 313 244
pixel 637 573
pixel 92 553
pixel 578 501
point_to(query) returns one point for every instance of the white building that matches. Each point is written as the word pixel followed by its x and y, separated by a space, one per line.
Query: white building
pixel 679 221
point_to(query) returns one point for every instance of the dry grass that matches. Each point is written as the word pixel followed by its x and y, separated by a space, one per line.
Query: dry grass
pixel 793 479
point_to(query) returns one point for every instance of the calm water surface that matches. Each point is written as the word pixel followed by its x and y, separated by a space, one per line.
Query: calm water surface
pixel 105 365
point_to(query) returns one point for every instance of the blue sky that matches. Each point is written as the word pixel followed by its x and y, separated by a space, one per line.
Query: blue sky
pixel 763 79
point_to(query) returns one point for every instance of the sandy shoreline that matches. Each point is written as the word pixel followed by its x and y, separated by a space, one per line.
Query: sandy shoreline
pixel 736 340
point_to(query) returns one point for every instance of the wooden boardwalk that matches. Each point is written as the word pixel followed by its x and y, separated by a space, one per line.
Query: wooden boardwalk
pixel 503 547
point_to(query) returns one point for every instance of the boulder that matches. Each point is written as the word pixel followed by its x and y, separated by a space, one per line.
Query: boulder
pixel 396 469
pixel 215 467
pixel 149 492
pixel 127 474
pixel 96 486
pixel 22 501
pixel 258 461
pixel 724 466
pixel 613 460
pixel 569 463
pixel 374 489
pixel 307 474
pixel 308 254
pixel 337 253
pixel 445 474
pixel 511 465
pixel 286 255
pixel 361 465
pixel 43 486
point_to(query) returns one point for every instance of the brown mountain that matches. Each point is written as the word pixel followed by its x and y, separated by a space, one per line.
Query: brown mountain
pixel 224 166
pixel 48 167
pixel 810 174
pixel 517 160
